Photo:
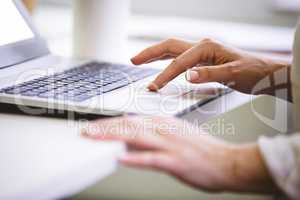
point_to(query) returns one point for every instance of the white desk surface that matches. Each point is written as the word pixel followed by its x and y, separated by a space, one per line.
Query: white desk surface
pixel 43 158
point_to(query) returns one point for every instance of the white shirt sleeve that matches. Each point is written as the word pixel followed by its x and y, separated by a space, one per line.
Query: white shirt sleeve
pixel 282 157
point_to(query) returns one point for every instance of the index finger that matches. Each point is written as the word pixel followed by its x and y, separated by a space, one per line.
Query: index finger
pixel 167 48
pixel 187 60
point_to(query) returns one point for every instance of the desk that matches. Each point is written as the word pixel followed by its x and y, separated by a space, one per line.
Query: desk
pixel 44 158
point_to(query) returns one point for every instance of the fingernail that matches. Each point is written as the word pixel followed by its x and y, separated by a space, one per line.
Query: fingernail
pixel 192 75
pixel 152 87
pixel 134 60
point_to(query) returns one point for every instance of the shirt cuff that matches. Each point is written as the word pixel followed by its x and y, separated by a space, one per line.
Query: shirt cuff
pixel 280 158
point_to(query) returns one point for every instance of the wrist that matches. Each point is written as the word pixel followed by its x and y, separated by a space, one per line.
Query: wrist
pixel 249 172
pixel 275 65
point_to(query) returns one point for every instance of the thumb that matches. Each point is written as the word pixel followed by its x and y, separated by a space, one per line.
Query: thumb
pixel 219 73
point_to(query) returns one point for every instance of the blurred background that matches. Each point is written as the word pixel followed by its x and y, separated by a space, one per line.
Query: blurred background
pixel 259 25
pixel 274 12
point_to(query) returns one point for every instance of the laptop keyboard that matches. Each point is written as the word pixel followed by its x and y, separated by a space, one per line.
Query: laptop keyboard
pixel 81 83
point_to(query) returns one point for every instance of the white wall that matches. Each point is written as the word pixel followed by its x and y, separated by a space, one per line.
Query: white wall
pixel 251 11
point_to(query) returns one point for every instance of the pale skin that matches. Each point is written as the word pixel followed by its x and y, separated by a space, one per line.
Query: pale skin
pixel 177 147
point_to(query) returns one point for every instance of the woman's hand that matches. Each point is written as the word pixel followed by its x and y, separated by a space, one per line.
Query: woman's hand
pixel 208 61
pixel 184 151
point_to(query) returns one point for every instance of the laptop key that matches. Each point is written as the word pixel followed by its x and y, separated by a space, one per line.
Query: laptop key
pixel 12 91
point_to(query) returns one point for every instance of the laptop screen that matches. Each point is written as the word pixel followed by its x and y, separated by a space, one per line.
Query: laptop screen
pixel 19 39
pixel 13 26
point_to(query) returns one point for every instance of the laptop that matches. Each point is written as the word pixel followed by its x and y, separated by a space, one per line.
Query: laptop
pixel 30 76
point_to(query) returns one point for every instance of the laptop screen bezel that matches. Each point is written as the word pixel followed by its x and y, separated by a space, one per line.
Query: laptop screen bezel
pixel 21 51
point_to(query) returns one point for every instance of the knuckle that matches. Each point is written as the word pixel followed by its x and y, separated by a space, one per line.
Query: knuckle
pixel 168 44
pixel 234 71
pixel 231 68
pixel 176 62
pixel 208 42
pixel 171 40
pixel 207 72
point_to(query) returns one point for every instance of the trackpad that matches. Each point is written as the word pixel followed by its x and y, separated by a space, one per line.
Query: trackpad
pixel 187 91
